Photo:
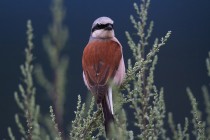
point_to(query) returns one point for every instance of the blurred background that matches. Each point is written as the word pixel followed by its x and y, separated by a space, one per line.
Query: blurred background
pixel 181 62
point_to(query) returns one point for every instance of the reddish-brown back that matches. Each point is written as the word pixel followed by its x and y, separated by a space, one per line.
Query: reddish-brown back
pixel 100 61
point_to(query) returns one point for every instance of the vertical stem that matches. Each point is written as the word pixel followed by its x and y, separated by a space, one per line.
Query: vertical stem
pixel 58 113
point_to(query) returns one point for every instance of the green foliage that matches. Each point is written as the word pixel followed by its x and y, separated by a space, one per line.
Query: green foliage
pixel 177 132
pixel 52 115
pixel 143 100
pixel 55 85
pixel 208 64
pixel 11 136
pixel 85 124
pixel 25 98
pixel 207 109
pixel 146 101
pixel 199 126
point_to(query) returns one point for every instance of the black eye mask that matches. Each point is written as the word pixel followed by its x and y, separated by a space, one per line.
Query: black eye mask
pixel 101 26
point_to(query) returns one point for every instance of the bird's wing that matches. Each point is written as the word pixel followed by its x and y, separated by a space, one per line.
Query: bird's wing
pixel 100 61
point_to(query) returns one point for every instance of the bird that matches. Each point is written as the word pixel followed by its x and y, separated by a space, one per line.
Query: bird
pixel 103 65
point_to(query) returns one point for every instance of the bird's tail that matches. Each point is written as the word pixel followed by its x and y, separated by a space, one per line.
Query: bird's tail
pixel 108 116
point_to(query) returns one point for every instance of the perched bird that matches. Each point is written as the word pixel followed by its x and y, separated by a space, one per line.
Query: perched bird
pixel 103 63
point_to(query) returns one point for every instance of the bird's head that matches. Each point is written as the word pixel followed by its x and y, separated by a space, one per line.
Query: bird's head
pixel 102 28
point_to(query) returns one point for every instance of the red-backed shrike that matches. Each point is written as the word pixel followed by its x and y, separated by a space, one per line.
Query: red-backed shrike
pixel 103 63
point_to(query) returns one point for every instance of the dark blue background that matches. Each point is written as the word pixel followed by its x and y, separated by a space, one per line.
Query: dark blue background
pixel 181 61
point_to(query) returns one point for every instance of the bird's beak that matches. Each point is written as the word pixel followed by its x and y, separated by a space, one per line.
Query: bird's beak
pixel 109 27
